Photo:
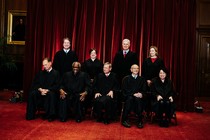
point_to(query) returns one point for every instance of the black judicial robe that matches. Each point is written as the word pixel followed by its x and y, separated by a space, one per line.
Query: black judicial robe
pixel 63 61
pixel 47 80
pixel 151 70
pixel 121 65
pixel 75 84
pixel 93 68
pixel 165 89
pixel 105 84
pixel 130 86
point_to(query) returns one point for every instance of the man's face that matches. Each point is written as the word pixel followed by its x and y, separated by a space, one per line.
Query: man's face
pixel 76 68
pixel 47 65
pixel 135 69
pixel 66 44
pixel 106 69
pixel 125 44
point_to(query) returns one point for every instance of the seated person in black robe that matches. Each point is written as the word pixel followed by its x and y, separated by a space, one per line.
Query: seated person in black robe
pixel 43 92
pixel 163 91
pixel 133 88
pixel 75 85
pixel 106 86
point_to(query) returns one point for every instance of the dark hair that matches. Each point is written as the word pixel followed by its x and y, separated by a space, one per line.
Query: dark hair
pixel 66 38
pixel 164 70
pixel 93 49
pixel 48 59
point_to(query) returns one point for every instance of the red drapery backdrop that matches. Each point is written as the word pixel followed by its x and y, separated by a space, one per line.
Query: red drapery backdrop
pixel 102 24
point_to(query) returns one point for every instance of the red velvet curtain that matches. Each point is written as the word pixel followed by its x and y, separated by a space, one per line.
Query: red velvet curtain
pixel 102 24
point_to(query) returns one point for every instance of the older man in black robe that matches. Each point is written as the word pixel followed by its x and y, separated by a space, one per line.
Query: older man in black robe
pixel 43 92
pixel 133 88
pixel 74 88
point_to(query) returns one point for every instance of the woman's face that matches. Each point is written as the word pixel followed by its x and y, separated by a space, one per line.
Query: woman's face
pixel 162 75
pixel 93 54
pixel 152 52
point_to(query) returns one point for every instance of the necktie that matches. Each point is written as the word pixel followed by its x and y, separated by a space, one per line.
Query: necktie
pixel 124 54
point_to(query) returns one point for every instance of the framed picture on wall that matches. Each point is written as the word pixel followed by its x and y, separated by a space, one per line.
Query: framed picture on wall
pixel 16 28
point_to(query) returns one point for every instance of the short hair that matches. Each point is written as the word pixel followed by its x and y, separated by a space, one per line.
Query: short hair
pixel 76 62
pixel 48 59
pixel 155 48
pixel 109 64
pixel 134 65
pixel 66 38
pixel 164 69
pixel 93 49
pixel 126 40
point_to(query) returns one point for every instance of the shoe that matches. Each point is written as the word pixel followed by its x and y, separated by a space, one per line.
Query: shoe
pixel 44 117
pixel 106 122
pixel 140 124
pixel 166 123
pixel 62 120
pixel 78 120
pixel 100 119
pixel 126 124
pixel 50 119
pixel 161 123
pixel 30 118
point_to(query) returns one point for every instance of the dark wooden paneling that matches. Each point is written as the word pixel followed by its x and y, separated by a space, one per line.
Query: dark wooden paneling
pixel 16 5
pixel 203 14
pixel 17 51
pixel 203 47
pixel 203 67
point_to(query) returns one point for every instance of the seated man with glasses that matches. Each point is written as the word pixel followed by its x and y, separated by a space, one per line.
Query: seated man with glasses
pixel 133 88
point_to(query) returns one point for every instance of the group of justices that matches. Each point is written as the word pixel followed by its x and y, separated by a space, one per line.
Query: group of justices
pixel 66 85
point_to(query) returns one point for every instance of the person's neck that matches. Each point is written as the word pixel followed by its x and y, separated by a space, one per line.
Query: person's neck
pixel 154 56
pixel 49 70
pixel 134 75
pixel 93 59
pixel 66 49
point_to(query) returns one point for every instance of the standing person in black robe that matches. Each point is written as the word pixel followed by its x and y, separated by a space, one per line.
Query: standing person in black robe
pixel 93 66
pixel 163 91
pixel 123 61
pixel 74 88
pixel 106 87
pixel 150 69
pixel 151 65
pixel 64 58
pixel 133 88
pixel 44 89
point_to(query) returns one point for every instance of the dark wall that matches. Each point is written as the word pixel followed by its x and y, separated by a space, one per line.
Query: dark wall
pixel 15 52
